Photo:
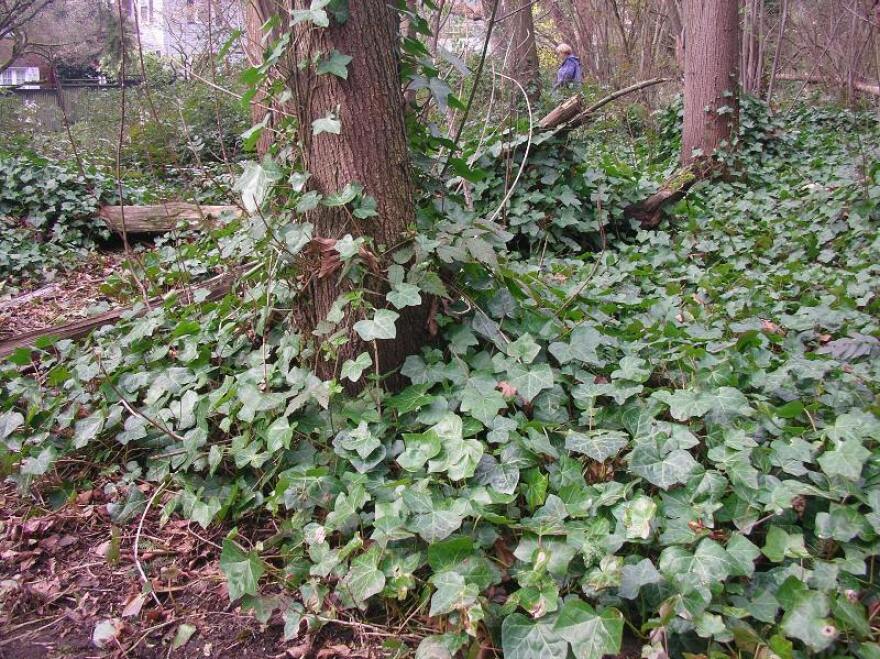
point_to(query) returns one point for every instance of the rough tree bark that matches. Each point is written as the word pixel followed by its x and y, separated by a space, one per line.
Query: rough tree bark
pixel 711 76
pixel 371 150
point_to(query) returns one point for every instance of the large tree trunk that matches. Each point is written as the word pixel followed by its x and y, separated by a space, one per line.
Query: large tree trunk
pixel 711 76
pixel 370 150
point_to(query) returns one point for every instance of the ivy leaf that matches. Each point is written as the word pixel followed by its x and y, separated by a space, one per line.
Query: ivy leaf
pixel 524 349
pixel 708 564
pixel 345 196
pixel 742 554
pixel 524 638
pixel 592 635
pixel 633 577
pixel 39 465
pixel 452 593
pixel 600 445
pixel 380 327
pixel 315 14
pixel 404 295
pixel 659 467
pixel 685 404
pixel 482 401
pixel 9 423
pixel 419 449
pixel 364 578
pixel 529 382
pixel 335 64
pixel 437 524
pixel 806 619
pixel 354 368
pixel 328 124
pixel 242 570
pixel 845 461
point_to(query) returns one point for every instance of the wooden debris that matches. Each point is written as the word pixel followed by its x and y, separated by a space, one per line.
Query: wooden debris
pixel 21 300
pixel 565 111
pixel 217 288
pixel 163 217
pixel 571 114
pixel 649 211
pixel 858 85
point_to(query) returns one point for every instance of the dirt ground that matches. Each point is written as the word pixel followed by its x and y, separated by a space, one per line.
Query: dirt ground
pixel 63 573
pixel 69 297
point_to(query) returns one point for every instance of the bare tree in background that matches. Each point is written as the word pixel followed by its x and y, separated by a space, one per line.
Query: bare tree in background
pixel 514 42
pixel 15 18
pixel 711 76
pixel 753 41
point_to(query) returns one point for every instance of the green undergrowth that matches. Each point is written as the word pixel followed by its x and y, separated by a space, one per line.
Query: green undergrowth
pixel 668 442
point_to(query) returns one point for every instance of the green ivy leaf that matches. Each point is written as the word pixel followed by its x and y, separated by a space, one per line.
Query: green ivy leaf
pixel 380 327
pixel 364 578
pixel 334 64
pixel 600 445
pixel 354 368
pixel 404 295
pixel 328 124
pixel 243 570
pixel 524 638
pixel 592 634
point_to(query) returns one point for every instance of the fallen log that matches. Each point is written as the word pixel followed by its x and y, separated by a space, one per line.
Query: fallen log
pixel 21 300
pixel 161 218
pixel 858 85
pixel 217 288
pixel 650 211
pixel 571 114
pixel 565 111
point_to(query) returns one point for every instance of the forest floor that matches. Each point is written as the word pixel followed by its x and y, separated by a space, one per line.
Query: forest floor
pixel 69 571
pixel 69 296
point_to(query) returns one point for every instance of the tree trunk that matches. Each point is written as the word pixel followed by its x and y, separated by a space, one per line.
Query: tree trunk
pixel 257 12
pixel 523 63
pixel 370 150
pixel 513 42
pixel 752 57
pixel 711 76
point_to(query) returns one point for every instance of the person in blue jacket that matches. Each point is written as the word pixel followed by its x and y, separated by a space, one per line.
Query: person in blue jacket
pixel 570 71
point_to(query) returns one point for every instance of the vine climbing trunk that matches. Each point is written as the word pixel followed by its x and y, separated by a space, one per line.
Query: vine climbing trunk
pixel 711 76
pixel 370 149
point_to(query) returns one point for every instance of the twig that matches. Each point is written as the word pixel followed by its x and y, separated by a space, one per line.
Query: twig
pixel 525 159
pixel 137 542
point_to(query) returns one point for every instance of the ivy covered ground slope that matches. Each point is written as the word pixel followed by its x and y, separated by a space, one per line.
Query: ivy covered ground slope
pixel 669 443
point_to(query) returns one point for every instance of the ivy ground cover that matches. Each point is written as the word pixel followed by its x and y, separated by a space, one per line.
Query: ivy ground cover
pixel 667 446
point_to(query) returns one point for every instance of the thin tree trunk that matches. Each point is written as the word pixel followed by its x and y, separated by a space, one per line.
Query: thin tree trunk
pixel 515 31
pixel 711 77
pixel 774 70
pixel 257 12
pixel 370 150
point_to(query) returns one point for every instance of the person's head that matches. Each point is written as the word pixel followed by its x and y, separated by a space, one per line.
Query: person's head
pixel 563 50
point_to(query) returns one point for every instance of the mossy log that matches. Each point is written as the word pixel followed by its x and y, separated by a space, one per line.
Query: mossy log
pixel 650 211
